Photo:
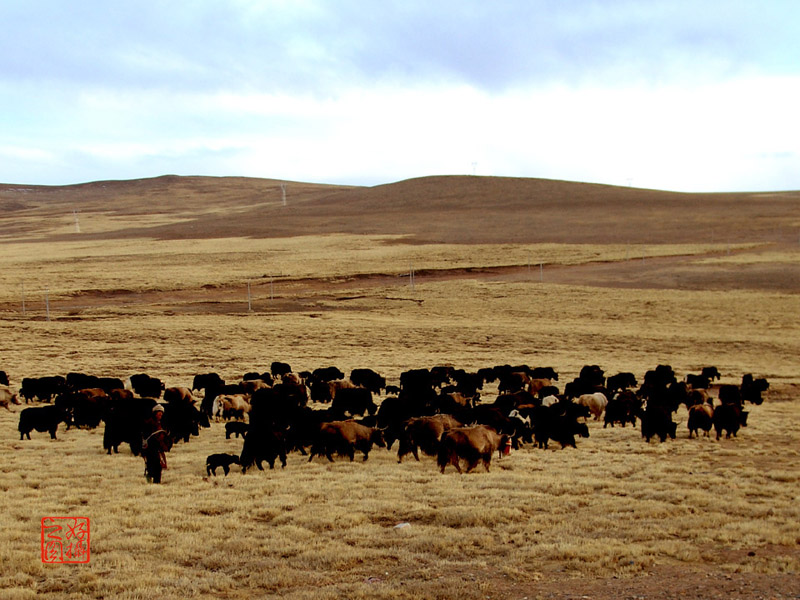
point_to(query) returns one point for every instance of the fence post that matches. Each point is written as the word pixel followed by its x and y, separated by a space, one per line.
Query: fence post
pixel 47 302
pixel 249 299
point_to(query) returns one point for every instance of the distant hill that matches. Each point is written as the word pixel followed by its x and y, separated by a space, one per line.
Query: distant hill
pixel 454 209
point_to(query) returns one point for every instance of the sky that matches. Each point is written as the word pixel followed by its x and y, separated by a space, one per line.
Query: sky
pixel 666 94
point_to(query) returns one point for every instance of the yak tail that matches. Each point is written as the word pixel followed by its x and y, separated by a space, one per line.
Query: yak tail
pixel 446 451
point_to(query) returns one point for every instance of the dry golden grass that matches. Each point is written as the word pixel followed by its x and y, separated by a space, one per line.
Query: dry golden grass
pixel 463 322
pixel 67 268
pixel 615 506
pixel 541 522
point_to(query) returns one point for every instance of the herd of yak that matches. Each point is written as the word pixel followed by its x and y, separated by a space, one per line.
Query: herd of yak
pixel 437 411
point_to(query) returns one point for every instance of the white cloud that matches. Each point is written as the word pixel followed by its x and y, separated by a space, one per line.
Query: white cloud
pixel 22 153
pixel 704 138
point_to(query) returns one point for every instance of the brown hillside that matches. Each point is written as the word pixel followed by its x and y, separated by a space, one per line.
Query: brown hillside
pixel 189 207
pixel 455 209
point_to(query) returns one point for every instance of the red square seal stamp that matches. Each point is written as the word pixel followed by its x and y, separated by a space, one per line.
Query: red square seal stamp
pixel 65 540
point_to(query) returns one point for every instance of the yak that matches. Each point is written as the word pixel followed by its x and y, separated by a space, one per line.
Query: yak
pixel 473 444
pixel 344 438
pixel 424 433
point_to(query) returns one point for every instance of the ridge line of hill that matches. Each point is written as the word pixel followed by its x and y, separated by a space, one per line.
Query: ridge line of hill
pixel 461 209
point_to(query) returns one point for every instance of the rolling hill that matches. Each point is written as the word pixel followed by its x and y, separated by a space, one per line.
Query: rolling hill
pixel 449 209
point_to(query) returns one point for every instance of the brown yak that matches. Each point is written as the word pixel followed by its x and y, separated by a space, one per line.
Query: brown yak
pixel 535 385
pixel 8 397
pixel 473 444
pixel 232 405
pixel 700 417
pixel 424 433
pixel 178 394
pixel 344 438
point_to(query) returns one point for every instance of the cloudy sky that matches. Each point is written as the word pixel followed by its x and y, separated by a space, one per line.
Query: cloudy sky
pixel 667 94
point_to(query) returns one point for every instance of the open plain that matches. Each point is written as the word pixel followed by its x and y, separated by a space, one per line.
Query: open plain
pixel 176 276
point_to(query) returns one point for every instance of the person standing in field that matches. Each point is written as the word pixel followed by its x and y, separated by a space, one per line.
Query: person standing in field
pixel 155 445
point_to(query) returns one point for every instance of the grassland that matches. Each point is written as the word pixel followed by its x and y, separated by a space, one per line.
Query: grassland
pixel 164 290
